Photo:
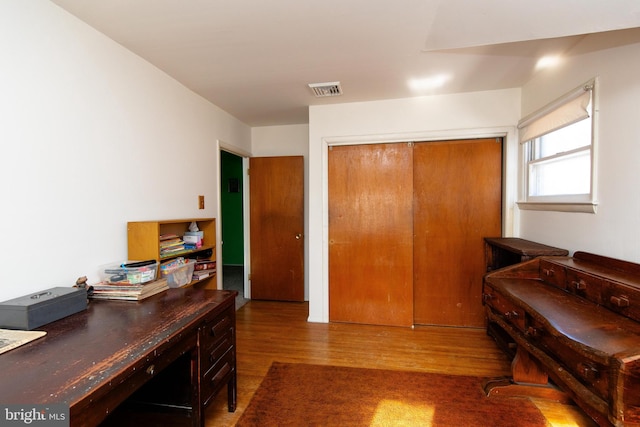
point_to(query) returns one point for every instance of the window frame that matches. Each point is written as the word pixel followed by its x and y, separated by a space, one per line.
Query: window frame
pixel 585 202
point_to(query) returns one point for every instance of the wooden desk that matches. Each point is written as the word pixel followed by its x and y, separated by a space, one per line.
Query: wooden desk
pixel 94 360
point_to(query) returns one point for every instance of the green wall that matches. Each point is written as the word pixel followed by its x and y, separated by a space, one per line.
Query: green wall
pixel 232 223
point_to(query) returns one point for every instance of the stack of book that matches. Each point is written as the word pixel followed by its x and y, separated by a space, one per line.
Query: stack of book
pixel 171 244
pixel 105 290
pixel 204 268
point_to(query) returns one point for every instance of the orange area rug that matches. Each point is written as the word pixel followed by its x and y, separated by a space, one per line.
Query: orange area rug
pixel 316 395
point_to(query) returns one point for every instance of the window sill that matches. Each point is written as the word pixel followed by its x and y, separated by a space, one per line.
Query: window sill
pixel 584 207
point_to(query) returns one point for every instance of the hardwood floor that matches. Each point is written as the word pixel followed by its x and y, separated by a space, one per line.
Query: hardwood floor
pixel 277 331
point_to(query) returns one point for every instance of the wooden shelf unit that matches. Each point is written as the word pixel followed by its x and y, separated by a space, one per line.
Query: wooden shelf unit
pixel 143 240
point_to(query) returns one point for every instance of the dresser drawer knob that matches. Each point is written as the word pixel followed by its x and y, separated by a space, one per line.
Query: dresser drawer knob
pixel 151 369
pixel 620 301
pixel 511 315
pixel 587 371
pixel 532 332
pixel 579 285
pixel 548 272
pixel 487 297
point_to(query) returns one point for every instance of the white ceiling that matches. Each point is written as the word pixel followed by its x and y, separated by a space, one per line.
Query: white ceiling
pixel 255 58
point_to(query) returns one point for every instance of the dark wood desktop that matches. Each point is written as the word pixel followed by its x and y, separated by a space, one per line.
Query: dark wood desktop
pixel 96 359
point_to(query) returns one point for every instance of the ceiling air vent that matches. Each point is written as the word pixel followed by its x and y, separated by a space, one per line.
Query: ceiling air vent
pixel 326 89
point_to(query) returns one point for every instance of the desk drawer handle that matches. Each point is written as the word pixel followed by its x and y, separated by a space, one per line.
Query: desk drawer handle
pixel 221 325
pixel 580 285
pixel 548 272
pixel 224 370
pixel 620 301
pixel 151 369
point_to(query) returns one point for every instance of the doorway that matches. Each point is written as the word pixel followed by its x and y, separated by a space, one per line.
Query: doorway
pixel 232 224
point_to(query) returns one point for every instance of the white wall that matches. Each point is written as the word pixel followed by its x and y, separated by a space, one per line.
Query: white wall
pixel 425 118
pixel 92 136
pixel 615 229
pixel 290 140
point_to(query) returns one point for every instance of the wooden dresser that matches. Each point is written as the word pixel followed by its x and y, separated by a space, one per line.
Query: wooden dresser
pixel 576 320
pixel 502 252
pixel 180 342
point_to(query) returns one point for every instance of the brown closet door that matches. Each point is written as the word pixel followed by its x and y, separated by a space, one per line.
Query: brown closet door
pixel 457 202
pixel 370 234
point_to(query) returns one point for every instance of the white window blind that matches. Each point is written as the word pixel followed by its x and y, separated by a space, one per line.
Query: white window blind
pixel 559 154
pixel 566 110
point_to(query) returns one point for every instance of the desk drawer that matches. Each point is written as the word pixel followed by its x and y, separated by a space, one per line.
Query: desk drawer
pixel 216 329
pixel 504 308
pixel 217 336
pixel 211 356
pixel 218 375
pixel 217 354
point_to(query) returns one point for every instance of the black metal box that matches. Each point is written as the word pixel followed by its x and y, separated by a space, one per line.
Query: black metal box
pixel 32 311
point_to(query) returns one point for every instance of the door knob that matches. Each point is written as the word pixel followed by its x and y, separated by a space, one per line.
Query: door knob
pixel 298 236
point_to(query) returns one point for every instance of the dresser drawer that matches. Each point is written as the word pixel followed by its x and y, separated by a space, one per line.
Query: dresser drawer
pixel 591 373
pixel 504 308
pixel 218 375
pixel 585 285
pixel 621 299
pixel 553 274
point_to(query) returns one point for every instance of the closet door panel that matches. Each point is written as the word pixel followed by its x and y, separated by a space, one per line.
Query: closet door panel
pixel 457 202
pixel 370 234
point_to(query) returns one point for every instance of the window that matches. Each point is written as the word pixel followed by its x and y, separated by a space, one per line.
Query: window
pixel 558 144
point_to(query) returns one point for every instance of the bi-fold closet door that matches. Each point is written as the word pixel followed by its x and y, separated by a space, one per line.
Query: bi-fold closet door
pixel 406 228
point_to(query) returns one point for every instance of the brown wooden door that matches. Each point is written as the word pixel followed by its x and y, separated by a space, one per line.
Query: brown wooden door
pixel 370 234
pixel 457 202
pixel 276 187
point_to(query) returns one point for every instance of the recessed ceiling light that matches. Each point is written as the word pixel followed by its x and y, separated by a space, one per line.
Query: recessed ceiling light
pixel 429 82
pixel 326 89
pixel 548 61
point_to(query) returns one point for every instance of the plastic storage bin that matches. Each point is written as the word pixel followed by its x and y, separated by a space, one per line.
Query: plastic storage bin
pixel 180 274
pixel 118 274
